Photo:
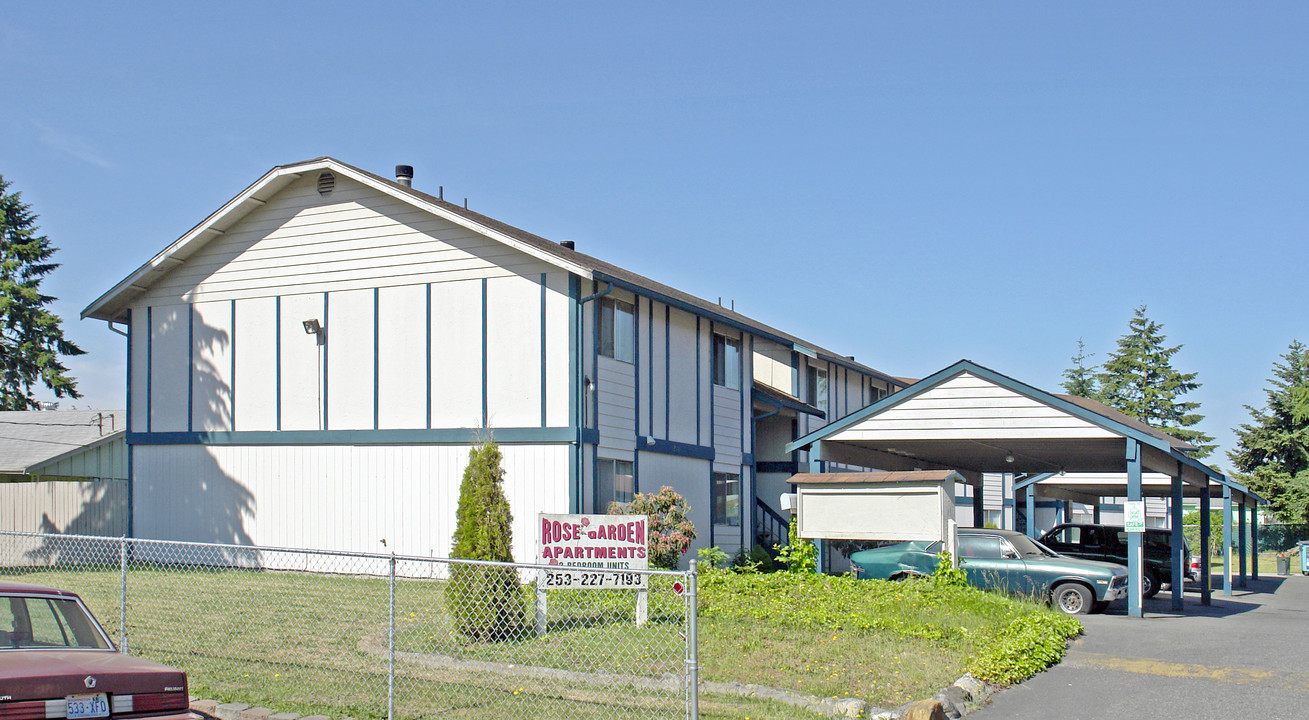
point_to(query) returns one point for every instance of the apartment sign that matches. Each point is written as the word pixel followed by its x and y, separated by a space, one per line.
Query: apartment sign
pixel 592 551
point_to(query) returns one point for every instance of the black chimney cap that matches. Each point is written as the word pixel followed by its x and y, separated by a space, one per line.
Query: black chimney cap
pixel 568 244
pixel 404 171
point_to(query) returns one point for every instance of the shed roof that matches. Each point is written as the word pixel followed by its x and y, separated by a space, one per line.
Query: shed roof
pixel 903 476
pixel 33 440
pixel 113 304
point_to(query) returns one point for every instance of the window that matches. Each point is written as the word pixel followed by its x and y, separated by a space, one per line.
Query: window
pixel 727 362
pixel 817 382
pixel 980 546
pixel 727 499
pixel 617 330
pixel 616 483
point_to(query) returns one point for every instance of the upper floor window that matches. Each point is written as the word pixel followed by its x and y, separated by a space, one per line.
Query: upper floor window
pixel 817 382
pixel 617 330
pixel 727 362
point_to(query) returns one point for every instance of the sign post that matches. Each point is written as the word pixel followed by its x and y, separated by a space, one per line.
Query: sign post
pixel 591 552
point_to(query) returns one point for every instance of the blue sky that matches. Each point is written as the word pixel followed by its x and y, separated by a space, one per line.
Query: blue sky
pixel 909 183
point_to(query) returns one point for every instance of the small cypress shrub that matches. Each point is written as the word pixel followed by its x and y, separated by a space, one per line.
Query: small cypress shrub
pixel 485 602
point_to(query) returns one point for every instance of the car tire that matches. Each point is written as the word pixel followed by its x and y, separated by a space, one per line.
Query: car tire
pixel 1150 583
pixel 1099 606
pixel 1072 598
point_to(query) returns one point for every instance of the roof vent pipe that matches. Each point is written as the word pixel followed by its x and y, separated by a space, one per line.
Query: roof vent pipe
pixel 568 244
pixel 404 174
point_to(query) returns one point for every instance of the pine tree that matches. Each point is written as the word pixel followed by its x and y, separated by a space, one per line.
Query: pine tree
pixel 1272 450
pixel 1079 379
pixel 1138 379
pixel 31 339
pixel 485 601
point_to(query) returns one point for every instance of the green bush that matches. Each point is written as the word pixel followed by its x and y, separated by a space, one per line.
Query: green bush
pixel 799 556
pixel 485 601
pixel 1026 646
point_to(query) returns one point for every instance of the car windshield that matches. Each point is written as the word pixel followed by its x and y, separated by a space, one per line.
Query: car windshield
pixel 1028 547
pixel 41 622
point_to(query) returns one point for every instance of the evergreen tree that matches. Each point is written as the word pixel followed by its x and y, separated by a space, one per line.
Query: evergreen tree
pixel 1079 379
pixel 485 601
pixel 31 339
pixel 1272 450
pixel 1138 379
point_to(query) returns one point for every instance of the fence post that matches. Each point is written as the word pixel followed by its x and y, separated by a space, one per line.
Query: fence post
pixel 122 595
pixel 390 660
pixel 692 642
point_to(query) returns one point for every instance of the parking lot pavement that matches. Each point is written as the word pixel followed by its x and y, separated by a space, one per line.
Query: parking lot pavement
pixel 1244 656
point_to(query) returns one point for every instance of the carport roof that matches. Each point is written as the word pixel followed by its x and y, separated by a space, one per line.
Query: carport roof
pixel 970 418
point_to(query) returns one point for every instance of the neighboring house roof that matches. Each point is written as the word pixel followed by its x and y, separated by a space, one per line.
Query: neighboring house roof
pixel 772 396
pixel 62 443
pixel 113 304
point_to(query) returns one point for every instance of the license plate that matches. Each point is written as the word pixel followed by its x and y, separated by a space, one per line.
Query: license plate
pixel 87 706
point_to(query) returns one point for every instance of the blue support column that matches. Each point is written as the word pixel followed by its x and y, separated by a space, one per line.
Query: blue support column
pixel 1134 557
pixel 1031 511
pixel 816 466
pixel 1240 543
pixel 979 494
pixel 1206 574
pixel 1180 560
pixel 1227 540
pixel 1095 514
pixel 1254 540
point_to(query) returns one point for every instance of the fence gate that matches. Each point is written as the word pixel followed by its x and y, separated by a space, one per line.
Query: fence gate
pixel 381 636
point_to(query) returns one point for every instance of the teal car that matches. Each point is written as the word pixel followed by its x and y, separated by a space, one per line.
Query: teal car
pixel 1005 561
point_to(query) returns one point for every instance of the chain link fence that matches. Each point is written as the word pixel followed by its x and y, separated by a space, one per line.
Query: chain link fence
pixel 370 636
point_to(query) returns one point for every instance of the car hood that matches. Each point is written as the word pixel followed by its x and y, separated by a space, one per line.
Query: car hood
pixel 44 674
pixel 1072 564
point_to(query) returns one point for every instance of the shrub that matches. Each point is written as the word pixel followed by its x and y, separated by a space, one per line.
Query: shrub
pixel 799 556
pixel 1027 645
pixel 671 530
pixel 484 601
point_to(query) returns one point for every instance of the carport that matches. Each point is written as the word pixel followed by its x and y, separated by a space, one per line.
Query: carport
pixel 973 420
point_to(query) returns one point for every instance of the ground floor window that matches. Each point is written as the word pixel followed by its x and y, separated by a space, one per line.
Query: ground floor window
pixel 727 499
pixel 616 483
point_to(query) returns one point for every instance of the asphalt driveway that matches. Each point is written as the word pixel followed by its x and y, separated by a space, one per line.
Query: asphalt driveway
pixel 1244 656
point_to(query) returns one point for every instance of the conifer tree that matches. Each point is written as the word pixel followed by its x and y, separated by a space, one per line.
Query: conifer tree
pixel 31 339
pixel 485 601
pixel 1080 379
pixel 1272 450
pixel 1138 379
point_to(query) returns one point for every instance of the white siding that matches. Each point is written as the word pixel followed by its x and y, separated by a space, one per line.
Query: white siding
pixel 138 365
pixel 556 345
pixel 659 366
pixel 402 357
pixel 211 382
pixel 301 368
pixel 690 478
pixel 354 238
pixel 169 368
pixel 772 365
pixel 333 497
pixel 727 430
pixel 513 346
pixel 256 364
pixel 350 360
pixel 968 406
pixel 79 508
pixel 616 393
pixel 457 354
pixel 683 375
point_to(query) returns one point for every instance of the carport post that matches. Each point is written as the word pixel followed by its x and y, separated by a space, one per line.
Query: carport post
pixel 1254 541
pixel 979 493
pixel 1031 510
pixel 1205 543
pixel 1180 560
pixel 1095 514
pixel 1240 542
pixel 1134 558
pixel 1227 539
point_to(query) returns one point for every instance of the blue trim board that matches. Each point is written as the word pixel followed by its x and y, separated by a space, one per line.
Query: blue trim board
pixel 790 467
pixel 428 367
pixel 651 373
pixel 128 404
pixel 485 412
pixel 636 389
pixel 440 436
pixel 277 323
pixel 190 365
pixel 668 370
pixel 377 365
pixel 574 388
pixel 326 356
pixel 710 377
pixel 149 366
pixel 747 458
pixel 543 353
pixel 231 384
pixel 671 447
pixel 698 430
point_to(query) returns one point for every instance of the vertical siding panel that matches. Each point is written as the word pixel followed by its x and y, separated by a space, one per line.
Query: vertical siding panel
pixel 401 356
pixel 301 370
pixel 514 352
pixel 557 344
pixel 170 369
pixel 683 375
pixel 457 354
pixel 211 382
pixel 351 355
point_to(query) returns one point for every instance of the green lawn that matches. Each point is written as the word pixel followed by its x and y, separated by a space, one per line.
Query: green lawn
pixel 317 644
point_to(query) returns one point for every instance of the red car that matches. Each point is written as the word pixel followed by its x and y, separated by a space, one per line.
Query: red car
pixel 57 662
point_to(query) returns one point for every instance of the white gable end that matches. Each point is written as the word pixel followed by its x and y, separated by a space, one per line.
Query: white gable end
pixel 968 407
pixel 353 238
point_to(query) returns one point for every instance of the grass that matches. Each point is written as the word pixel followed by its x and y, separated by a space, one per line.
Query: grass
pixel 317 644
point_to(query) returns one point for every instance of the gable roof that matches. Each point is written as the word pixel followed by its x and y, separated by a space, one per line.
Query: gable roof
pixel 33 441
pixel 113 304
